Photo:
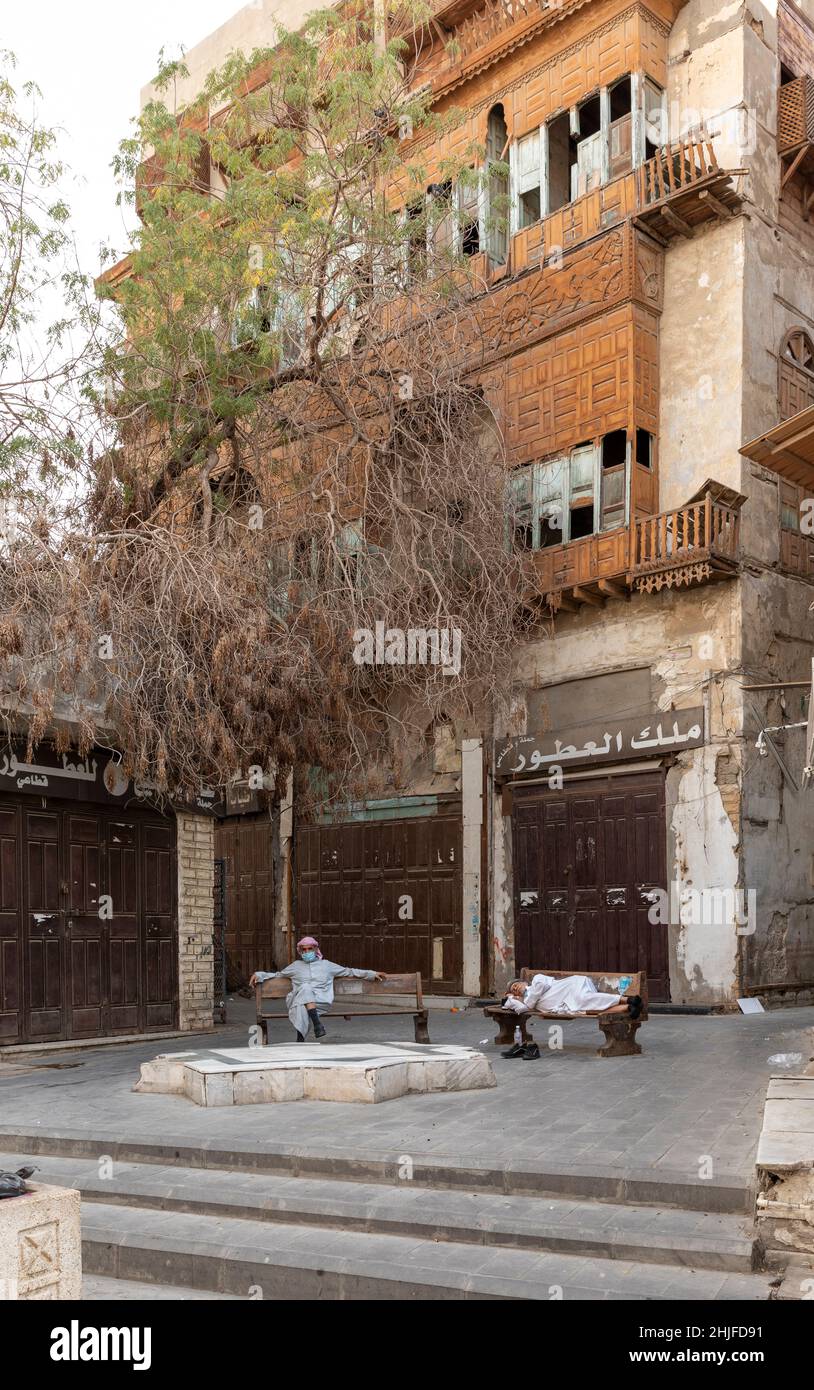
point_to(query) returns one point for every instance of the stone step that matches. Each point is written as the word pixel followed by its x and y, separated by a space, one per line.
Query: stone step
pixel 97 1288
pixel 649 1235
pixel 647 1186
pixel 254 1259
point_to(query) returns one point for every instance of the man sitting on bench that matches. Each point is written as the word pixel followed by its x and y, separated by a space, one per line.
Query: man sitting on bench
pixel 312 983
pixel 576 994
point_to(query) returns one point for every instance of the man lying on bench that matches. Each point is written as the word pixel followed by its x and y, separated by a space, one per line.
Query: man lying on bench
pixel 576 994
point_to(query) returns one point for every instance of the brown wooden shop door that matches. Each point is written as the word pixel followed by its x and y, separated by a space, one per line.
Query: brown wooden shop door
pixel 160 978
pixel 11 913
pixel 43 927
pixel 386 895
pixel 87 957
pixel 585 861
pixel 245 845
pixel 87 924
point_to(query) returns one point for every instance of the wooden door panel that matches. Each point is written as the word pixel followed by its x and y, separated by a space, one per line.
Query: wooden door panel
pixel 43 962
pixel 125 927
pixel 527 877
pixel 588 859
pixel 11 928
pixel 245 844
pixel 159 977
pixel 86 930
pixel 74 887
pixel 386 895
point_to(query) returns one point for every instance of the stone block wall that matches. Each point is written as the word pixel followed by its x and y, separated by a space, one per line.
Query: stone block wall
pixel 196 854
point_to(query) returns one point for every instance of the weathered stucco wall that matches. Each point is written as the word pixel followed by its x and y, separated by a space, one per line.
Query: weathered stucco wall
pixel 691 642
pixel 778 631
pixel 778 819
pixel 701 337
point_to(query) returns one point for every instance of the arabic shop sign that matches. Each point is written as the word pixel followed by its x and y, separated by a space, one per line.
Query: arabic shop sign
pixel 593 745
pixel 98 777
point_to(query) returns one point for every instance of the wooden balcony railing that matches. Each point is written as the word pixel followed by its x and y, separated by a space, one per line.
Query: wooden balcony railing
pixel 795 114
pixel 690 545
pixel 676 167
pixel 491 20
pixel 682 186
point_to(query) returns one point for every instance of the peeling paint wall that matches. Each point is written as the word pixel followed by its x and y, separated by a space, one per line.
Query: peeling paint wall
pixel 691 640
pixel 778 820
pixel 704 843
pixel 500 896
pixel 778 630
pixel 700 333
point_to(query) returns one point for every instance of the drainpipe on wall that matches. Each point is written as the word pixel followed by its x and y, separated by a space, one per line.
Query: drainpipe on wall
pixel 472 815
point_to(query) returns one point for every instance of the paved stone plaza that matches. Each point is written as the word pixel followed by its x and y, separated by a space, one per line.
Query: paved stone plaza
pixel 575 1176
pixel 697 1090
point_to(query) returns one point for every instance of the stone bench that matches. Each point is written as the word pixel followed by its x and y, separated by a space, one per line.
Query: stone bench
pixel 620 1031
pixel 352 999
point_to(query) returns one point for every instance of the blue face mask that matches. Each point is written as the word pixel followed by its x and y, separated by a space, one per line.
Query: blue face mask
pixel 309 956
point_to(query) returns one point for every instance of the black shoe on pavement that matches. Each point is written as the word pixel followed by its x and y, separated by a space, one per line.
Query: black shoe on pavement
pixel 319 1026
pixel 530 1052
pixel 514 1051
pixel 300 1038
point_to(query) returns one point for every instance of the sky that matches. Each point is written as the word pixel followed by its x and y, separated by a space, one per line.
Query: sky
pixel 91 58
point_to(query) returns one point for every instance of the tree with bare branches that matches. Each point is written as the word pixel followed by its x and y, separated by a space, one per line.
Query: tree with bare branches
pixel 295 556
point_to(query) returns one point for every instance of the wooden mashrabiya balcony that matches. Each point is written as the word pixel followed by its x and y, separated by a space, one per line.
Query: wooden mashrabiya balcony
pixel 697 543
pixel 682 186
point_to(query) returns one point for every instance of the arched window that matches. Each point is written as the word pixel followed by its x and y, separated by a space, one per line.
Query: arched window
pixel 796 372
pixel 497 140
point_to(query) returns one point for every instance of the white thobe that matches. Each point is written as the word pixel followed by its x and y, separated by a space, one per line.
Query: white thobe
pixel 576 994
pixel 312 983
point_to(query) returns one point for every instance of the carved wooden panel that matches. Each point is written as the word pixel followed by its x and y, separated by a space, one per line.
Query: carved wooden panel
pixel 648 272
pixel 584 282
pixel 555 69
pixel 645 368
pixel 604 556
pixel 573 387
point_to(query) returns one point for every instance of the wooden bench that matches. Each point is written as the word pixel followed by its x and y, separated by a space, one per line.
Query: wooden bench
pixel 619 1030
pixel 351 1001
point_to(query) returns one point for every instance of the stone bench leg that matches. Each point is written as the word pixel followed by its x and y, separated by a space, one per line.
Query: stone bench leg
pixel 506 1027
pixel 620 1036
pixel 422 1034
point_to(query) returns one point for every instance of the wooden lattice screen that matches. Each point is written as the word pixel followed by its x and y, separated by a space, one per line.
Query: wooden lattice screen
pixel 795 114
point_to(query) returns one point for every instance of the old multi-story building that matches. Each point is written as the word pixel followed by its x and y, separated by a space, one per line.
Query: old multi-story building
pixel 647 311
